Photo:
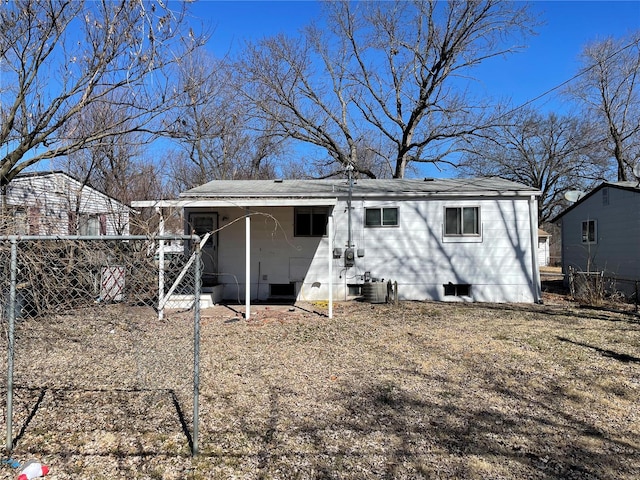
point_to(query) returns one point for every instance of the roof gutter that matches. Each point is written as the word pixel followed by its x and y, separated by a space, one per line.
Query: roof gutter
pixel 236 202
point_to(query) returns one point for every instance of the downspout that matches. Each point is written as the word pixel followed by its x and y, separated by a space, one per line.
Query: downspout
pixel 350 174
pixel 535 267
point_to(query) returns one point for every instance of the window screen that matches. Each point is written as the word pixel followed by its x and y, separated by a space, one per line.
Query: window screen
pixel 589 231
pixel 462 221
pixel 381 217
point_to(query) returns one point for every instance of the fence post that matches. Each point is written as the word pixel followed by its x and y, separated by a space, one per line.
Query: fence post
pixel 572 287
pixel 160 264
pixel 395 289
pixel 196 347
pixel 11 342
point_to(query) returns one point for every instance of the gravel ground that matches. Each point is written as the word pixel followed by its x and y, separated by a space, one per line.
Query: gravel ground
pixel 418 390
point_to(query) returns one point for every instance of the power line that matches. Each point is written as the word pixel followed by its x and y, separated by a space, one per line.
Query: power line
pixel 577 75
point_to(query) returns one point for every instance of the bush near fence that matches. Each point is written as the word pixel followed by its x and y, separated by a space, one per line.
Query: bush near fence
pixel 62 274
pixel 593 288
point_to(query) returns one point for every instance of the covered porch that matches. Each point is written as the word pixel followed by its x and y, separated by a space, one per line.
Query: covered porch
pixel 260 250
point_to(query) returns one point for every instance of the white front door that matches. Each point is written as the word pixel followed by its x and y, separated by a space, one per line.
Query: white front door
pixel 201 224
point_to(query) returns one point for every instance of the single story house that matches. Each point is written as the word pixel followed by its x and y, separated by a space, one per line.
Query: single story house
pixel 601 232
pixel 55 203
pixel 439 239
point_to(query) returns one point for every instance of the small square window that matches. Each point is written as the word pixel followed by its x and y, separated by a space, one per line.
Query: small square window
pixel 381 217
pixel 457 290
pixel 389 216
pixel 373 217
pixel 589 231
pixel 310 221
pixel 462 221
pixel 92 224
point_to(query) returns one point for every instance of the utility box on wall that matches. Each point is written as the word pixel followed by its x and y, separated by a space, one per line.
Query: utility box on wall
pixel 349 257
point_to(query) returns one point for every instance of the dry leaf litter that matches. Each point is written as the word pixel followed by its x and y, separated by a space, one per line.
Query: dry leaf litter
pixel 417 390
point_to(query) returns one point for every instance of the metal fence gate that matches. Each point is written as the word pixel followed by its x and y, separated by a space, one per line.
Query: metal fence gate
pixel 93 316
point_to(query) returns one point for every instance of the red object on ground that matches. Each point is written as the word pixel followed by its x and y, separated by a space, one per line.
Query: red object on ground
pixel 32 469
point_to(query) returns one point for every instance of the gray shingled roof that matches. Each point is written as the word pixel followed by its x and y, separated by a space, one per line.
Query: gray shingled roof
pixel 364 187
pixel 628 185
pixel 633 186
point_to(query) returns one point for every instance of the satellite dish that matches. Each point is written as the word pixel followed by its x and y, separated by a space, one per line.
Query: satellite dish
pixel 636 170
pixel 573 195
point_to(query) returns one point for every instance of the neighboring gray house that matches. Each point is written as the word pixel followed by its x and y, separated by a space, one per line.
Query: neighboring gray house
pixel 454 239
pixel 54 203
pixel 601 231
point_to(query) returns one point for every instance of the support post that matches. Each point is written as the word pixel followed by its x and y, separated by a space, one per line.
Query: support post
pixel 247 295
pixel 330 282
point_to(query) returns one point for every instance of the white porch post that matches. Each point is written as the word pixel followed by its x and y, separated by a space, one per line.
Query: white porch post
pixel 330 257
pixel 247 295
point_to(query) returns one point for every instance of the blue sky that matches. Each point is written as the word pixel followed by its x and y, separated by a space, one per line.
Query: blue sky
pixel 549 59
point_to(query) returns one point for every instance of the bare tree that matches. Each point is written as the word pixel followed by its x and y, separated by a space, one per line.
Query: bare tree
pixel 609 91
pixel 116 164
pixel 547 152
pixel 61 57
pixel 216 134
pixel 394 68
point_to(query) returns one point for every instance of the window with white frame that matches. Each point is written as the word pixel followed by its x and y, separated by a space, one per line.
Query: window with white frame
pixel 20 221
pixel 92 224
pixel 381 217
pixel 310 221
pixel 589 231
pixel 462 221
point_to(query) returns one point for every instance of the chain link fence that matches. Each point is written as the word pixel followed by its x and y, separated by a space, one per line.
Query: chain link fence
pixel 94 317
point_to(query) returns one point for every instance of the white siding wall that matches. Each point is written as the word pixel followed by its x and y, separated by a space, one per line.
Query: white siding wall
pixel 416 254
pixel 421 259
pixel 54 196
pixel 277 257
pixel 617 250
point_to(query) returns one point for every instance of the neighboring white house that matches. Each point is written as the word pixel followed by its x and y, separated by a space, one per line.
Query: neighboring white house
pixel 54 203
pixel 544 256
pixel 454 239
pixel 601 231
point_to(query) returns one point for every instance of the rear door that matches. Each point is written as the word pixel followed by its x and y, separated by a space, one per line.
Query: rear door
pixel 201 224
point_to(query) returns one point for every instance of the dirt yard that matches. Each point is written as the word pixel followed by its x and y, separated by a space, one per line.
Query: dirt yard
pixel 419 390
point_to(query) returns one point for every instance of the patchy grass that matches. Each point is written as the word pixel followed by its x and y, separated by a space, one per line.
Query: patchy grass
pixel 421 390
